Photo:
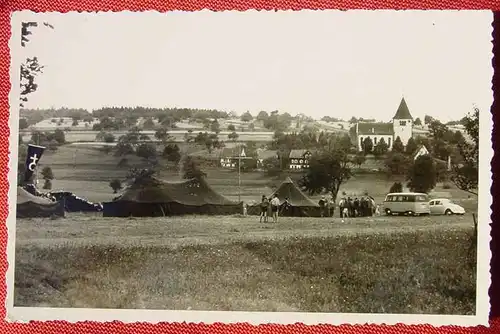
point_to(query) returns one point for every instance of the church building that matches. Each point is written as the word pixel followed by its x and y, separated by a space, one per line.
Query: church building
pixel 401 126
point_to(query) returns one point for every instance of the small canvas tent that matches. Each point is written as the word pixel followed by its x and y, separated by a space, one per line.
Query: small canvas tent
pixel 151 197
pixel 299 204
pixel 31 206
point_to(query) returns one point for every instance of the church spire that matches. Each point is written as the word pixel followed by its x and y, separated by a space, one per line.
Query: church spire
pixel 402 112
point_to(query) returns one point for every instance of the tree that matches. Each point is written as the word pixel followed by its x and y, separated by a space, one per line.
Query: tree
pixel 442 173
pixel 353 120
pixel 146 151
pixel 231 127
pixel 47 176
pixel 367 145
pixel 272 166
pixel 396 187
pixel 215 127
pixel 398 146
pixel 123 148
pixel 327 171
pixel 246 117
pixel 428 119
pixel 465 175
pixel 148 124
pixel 262 116
pixel 163 135
pixel 422 175
pixel 417 122
pixel 115 185
pixel 438 130
pixel 233 136
pixel 381 148
pixel 172 153
pixel 210 141
pixel 23 124
pixel 31 68
pixel 411 146
pixel 251 126
pixel 192 169
pixel 59 136
pixel 109 138
pixel 359 159
pixel 397 163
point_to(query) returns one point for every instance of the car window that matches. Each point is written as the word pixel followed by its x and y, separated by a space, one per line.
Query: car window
pixel 438 202
pixel 431 203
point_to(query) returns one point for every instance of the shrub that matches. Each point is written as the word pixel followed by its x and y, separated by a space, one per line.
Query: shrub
pixel 397 187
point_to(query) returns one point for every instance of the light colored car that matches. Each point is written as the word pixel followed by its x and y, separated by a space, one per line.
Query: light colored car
pixel 445 206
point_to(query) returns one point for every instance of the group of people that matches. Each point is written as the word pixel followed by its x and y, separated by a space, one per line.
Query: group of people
pixel 269 207
pixel 358 207
pixel 362 207
pixel 327 207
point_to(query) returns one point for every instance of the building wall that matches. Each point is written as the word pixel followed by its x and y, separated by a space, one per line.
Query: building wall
pixel 375 139
pixel 296 164
pixel 404 129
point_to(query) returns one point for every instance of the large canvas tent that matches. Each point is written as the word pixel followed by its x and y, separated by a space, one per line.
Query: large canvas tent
pixel 299 204
pixel 31 206
pixel 153 198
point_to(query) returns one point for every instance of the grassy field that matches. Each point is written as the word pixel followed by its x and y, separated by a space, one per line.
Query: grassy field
pixel 382 264
pixel 88 171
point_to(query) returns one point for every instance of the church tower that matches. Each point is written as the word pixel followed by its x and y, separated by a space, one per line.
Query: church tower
pixel 402 123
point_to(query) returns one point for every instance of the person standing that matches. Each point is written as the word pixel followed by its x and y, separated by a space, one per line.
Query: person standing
pixel 275 204
pixel 331 207
pixel 322 204
pixel 264 204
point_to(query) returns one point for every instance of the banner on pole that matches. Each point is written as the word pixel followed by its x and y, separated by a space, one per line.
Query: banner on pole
pixel 33 157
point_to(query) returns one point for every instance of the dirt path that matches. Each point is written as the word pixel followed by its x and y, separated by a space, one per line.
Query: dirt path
pixel 174 232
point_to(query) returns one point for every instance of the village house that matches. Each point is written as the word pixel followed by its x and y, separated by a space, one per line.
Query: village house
pixel 299 159
pixel 421 150
pixel 401 126
pixel 229 156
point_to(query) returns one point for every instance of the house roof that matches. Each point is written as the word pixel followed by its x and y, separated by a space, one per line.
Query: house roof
pixel 378 128
pixel 417 151
pixel 402 112
pixel 297 153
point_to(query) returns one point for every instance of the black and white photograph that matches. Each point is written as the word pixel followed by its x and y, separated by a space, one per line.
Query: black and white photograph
pixel 264 167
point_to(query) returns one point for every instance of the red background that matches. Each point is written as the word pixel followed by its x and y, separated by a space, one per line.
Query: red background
pixel 8 6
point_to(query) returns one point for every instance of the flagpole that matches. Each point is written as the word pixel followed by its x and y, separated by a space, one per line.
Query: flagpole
pixel 239 174
pixel 35 181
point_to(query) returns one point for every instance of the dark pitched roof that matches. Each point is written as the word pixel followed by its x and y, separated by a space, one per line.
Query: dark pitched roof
pixel 298 153
pixel 375 129
pixel 403 112
pixel 191 192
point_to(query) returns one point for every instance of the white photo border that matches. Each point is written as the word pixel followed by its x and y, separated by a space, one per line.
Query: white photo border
pixel 73 315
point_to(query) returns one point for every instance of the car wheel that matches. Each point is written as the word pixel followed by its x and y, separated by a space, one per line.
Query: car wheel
pixel 448 212
pixel 410 213
pixel 388 212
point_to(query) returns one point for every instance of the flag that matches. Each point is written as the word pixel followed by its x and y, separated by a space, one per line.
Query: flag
pixel 34 154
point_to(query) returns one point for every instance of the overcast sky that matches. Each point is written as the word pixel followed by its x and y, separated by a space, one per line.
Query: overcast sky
pixel 313 62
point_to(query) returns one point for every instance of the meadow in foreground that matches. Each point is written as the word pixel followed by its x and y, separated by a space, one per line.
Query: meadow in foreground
pixel 413 272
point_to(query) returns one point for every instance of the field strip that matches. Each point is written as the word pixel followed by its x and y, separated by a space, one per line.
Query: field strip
pixel 174 236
